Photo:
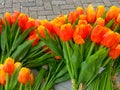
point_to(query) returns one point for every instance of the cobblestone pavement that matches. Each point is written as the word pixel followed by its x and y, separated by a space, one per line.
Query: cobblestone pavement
pixel 49 8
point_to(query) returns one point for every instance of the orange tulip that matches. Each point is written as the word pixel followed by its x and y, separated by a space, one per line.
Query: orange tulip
pixel 9 66
pixel 118 19
pixel 110 39
pixel 112 13
pixel 100 11
pixel 33 36
pixel 1 66
pixel 78 39
pixel 24 75
pixel 2 77
pixel 82 22
pixel 72 17
pixel 22 20
pixel 91 15
pixel 30 23
pixel 31 79
pixel 17 64
pixel 14 17
pixel 83 17
pixel 100 21
pixel 41 30
pixel 114 53
pixel 97 33
pixel 83 30
pixel 66 32
pixel 79 11
pixel 7 16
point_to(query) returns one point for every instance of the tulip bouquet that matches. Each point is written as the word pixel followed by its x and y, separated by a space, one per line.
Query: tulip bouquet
pixel 20 41
pixel 15 77
pixel 88 42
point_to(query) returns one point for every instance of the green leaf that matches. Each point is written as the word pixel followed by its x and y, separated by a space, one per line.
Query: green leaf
pixel 13 79
pixel 22 50
pixel 27 86
pixel 110 23
pixel 88 66
pixel 39 79
pixel 21 38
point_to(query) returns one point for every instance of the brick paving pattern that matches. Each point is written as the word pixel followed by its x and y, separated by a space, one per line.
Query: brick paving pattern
pixel 48 9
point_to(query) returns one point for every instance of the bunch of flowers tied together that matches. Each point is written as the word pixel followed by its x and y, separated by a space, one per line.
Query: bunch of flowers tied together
pixel 86 45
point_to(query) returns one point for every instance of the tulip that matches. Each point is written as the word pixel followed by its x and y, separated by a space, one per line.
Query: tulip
pixel 100 11
pixel 24 75
pixel 100 21
pixel 7 16
pixel 14 17
pixel 33 36
pixel 30 23
pixel 112 13
pixel 72 17
pixel 83 30
pixel 31 79
pixel 97 33
pixel 79 11
pixel 2 77
pixel 83 17
pixel 9 66
pixel 41 30
pixel 17 64
pixel 1 66
pixel 78 39
pixel 114 53
pixel 22 20
pixel 91 15
pixel 66 32
pixel 110 39
pixel 118 19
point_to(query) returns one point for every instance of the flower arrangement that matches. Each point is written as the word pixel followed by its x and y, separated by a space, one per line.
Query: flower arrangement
pixel 83 46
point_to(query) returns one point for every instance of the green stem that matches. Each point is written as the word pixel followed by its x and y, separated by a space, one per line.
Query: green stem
pixel 91 49
pixel 7 82
pixel 21 85
pixel 107 61
pixel 82 51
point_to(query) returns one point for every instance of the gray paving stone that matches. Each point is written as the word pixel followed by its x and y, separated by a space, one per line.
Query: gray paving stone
pixel 116 4
pixel 28 4
pixel 98 4
pixel 47 5
pixel 64 11
pixel 39 2
pixel 56 9
pixel 47 12
pixel 1 1
pixel 70 1
pixel 10 10
pixel 36 8
pixel 24 10
pixel 1 6
pixel 8 3
pixel 42 17
pixel 67 6
pixel 99 1
pixel 107 2
pixel 87 1
pixel 77 3
pixel 33 14
pixel 16 6
pixel 58 2
pixel 50 17
pixel 2 11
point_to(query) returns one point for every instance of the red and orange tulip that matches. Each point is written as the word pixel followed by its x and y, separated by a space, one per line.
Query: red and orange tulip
pixel 9 66
pixel 66 32
pixel 97 33
pixel 110 39
pixel 100 11
pixel 100 21
pixel 2 77
pixel 114 53
pixel 24 75
pixel 91 15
